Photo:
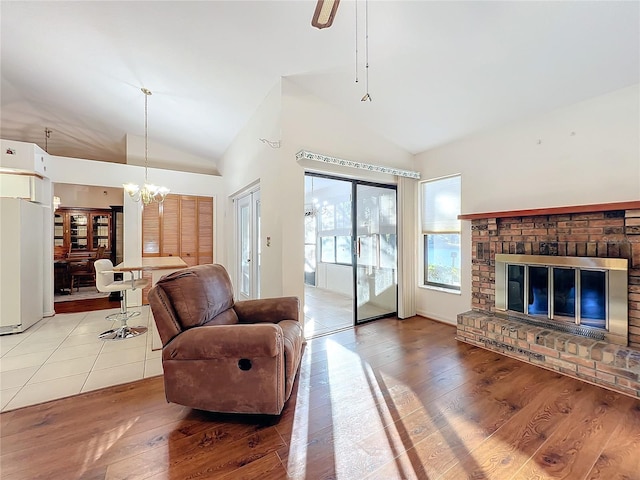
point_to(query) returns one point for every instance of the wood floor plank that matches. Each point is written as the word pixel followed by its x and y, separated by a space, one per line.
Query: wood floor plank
pixel 200 456
pixel 503 453
pixel 384 401
pixel 363 456
pixel 469 425
pixel 268 467
pixel 620 458
pixel 575 446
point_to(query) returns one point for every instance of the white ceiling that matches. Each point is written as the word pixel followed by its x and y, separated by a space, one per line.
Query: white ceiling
pixel 438 70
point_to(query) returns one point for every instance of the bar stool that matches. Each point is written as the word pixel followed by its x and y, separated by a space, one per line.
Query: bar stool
pixel 105 283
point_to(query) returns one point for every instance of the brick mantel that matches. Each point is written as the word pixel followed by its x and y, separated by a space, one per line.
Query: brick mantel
pixel 597 207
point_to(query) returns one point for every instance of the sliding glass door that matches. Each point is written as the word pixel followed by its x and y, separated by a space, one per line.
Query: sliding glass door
pixel 350 250
pixel 375 252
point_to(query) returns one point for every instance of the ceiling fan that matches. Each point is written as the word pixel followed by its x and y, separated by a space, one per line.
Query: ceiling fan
pixel 325 13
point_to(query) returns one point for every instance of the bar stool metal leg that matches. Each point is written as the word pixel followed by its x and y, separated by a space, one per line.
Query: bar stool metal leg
pixel 124 331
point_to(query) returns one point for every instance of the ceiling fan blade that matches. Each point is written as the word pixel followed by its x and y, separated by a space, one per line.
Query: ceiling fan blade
pixel 325 13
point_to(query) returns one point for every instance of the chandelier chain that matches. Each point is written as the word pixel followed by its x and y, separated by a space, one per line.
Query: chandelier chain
pixel 146 135
pixel 148 192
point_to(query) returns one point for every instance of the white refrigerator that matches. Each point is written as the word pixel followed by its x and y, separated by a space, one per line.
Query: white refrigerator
pixel 21 264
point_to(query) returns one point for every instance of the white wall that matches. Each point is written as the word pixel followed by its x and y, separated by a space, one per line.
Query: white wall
pixel 537 163
pixel 72 195
pixel 106 174
pixel 164 156
pixel 310 124
pixel 301 122
pixel 246 162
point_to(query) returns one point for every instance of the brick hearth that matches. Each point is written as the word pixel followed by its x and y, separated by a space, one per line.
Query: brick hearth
pixel 607 233
pixel 608 365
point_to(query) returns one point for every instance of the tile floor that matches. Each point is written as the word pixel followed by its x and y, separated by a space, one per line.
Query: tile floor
pixel 62 356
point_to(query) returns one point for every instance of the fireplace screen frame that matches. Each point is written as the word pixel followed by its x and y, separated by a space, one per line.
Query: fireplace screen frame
pixel 616 289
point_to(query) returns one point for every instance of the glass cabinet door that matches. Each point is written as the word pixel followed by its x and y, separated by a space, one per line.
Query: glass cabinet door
pixel 78 234
pixel 100 231
pixel 58 230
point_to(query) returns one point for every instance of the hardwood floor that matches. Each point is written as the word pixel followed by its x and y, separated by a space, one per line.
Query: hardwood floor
pixel 87 305
pixel 387 400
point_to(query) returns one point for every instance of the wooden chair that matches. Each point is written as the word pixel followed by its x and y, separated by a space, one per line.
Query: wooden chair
pixel 82 273
pixel 85 272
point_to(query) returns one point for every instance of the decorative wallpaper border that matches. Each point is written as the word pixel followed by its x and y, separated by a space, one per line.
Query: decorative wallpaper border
pixel 349 163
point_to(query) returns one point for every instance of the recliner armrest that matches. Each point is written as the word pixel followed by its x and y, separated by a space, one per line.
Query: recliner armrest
pixel 224 341
pixel 267 310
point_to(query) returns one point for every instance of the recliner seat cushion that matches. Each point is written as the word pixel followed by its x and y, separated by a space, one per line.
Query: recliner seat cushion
pixel 200 296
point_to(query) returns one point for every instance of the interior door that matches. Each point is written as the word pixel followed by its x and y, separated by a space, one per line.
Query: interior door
pixel 375 252
pixel 248 245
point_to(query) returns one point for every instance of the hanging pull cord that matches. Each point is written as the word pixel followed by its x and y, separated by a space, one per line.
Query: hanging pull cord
pixel 356 5
pixel 366 51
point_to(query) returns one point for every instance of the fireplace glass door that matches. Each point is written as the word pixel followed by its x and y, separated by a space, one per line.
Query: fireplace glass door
pixel 593 292
pixel 577 295
pixel 564 294
pixel 538 288
pixel 572 294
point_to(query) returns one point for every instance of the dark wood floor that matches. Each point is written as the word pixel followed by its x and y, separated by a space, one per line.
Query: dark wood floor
pixel 87 305
pixel 387 400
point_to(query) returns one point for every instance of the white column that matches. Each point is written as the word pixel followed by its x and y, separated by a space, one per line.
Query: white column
pixel 132 242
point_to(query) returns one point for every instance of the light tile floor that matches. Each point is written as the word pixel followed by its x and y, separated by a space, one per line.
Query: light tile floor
pixel 62 356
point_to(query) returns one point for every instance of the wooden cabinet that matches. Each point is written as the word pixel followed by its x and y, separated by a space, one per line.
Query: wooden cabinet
pixel 205 230
pixel 181 226
pixel 79 232
pixel 189 230
pixel 170 227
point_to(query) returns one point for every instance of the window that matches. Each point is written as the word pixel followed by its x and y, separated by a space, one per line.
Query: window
pixel 328 250
pixel 336 249
pixel 440 203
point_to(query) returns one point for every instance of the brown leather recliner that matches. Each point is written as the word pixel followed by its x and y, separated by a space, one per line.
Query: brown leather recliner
pixel 220 355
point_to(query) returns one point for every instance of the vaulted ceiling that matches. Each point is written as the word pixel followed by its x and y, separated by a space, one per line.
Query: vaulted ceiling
pixel 437 70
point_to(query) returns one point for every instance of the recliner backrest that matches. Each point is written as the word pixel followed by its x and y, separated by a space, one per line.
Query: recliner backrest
pixel 200 295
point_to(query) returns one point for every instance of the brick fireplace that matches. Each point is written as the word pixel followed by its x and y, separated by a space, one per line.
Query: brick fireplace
pixel 598 231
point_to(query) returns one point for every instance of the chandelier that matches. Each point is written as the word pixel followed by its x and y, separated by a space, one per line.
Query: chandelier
pixel 148 192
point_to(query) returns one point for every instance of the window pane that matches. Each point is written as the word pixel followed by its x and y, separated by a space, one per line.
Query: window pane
pixel 310 229
pixel 441 205
pixel 326 218
pixel 367 256
pixel 442 260
pixel 343 250
pixel 328 250
pixel 388 249
pixel 343 214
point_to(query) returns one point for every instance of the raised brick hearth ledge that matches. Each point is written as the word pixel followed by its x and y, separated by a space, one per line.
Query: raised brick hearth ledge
pixel 611 366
